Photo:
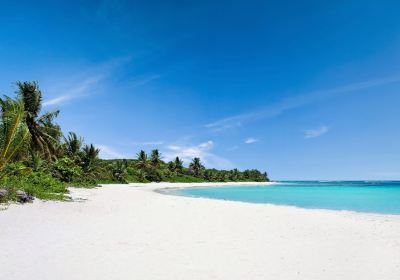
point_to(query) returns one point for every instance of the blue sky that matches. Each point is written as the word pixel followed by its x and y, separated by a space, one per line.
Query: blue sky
pixel 300 89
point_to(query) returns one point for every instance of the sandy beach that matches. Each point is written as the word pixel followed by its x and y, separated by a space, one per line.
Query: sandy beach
pixel 132 232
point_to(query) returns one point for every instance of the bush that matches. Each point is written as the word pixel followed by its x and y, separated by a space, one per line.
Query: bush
pixel 15 169
pixel 185 179
pixel 39 185
pixel 119 171
pixel 153 175
pixel 45 186
pixel 66 169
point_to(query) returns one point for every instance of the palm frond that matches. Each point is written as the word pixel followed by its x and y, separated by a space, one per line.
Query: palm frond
pixel 13 130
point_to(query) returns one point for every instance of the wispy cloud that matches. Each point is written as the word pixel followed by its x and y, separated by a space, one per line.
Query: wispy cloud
pixel 57 100
pixel 89 82
pixel 107 152
pixel 203 151
pixel 292 103
pixel 148 143
pixel 233 148
pixel 312 133
pixel 80 90
pixel 142 80
pixel 251 140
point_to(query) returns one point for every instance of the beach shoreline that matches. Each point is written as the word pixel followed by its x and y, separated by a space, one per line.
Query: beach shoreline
pixel 132 231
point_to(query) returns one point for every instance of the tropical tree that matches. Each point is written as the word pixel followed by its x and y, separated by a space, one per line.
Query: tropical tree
pixel 89 156
pixel 73 144
pixel 142 162
pixel 66 169
pixel 141 176
pixel 196 167
pixel 208 175
pixel 155 158
pixel 234 175
pixel 45 135
pixel 119 171
pixel 14 132
pixel 34 161
pixel 171 166
pixel 153 175
pixel 178 165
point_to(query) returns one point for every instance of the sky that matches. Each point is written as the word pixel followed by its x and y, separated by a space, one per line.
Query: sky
pixel 305 90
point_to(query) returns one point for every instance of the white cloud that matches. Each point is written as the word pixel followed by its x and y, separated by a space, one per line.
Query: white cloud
pixel 251 140
pixel 203 151
pixel 57 100
pixel 312 133
pixel 233 148
pixel 291 103
pixel 107 152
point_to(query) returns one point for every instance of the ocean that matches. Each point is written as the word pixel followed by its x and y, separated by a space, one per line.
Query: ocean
pixel 361 196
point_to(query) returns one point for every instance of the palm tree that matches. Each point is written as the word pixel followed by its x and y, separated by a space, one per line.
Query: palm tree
pixel 178 165
pixel 119 171
pixel 14 132
pixel 196 167
pixel 89 156
pixel 34 160
pixel 155 158
pixel 45 135
pixel 73 144
pixel 170 172
pixel 142 162
pixel 208 175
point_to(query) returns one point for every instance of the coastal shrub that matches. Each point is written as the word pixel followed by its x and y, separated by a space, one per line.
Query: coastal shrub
pixel 37 184
pixel 153 175
pixel 119 172
pixel 44 186
pixel 255 175
pixel 15 169
pixel 140 177
pixel 185 179
pixel 34 161
pixel 66 170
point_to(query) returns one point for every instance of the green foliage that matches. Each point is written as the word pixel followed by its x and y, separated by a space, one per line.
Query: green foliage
pixel 142 162
pixel 177 165
pixel 119 171
pixel 185 179
pixel 14 169
pixel 140 177
pixel 255 175
pixel 45 135
pixel 73 144
pixel 34 160
pixel 89 157
pixel 153 175
pixel 196 167
pixel 155 158
pixel 38 184
pixel 44 186
pixel 65 169
pixel 13 130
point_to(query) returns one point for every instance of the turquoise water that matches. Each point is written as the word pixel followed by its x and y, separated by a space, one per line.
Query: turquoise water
pixel 361 196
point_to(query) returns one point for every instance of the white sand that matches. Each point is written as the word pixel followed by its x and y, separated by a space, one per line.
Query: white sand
pixel 124 232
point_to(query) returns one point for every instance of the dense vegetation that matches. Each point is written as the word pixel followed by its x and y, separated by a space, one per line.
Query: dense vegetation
pixel 37 160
